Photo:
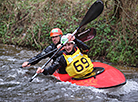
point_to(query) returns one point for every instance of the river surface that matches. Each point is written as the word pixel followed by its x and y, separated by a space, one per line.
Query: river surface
pixel 14 85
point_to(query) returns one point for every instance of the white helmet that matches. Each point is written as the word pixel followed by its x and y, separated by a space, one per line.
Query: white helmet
pixel 64 38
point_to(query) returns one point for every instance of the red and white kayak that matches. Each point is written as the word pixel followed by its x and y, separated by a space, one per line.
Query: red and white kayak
pixel 108 78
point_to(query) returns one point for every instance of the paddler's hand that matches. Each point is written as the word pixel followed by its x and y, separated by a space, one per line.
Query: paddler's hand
pixel 39 70
pixel 70 37
pixel 67 38
pixel 25 64
pixel 59 45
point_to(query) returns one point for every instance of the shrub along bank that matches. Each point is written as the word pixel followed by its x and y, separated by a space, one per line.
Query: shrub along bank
pixel 27 23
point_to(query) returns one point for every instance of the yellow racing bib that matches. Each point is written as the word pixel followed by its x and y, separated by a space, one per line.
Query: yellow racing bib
pixel 78 64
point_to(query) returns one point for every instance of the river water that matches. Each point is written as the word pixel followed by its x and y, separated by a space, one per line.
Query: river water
pixel 14 85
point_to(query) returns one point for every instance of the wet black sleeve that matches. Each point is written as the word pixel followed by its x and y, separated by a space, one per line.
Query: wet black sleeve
pixel 41 56
pixel 59 63
pixel 83 47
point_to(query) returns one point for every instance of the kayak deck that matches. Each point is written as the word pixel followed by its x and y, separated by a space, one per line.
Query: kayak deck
pixel 110 77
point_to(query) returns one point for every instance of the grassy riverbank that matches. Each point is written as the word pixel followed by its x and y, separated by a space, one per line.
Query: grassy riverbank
pixel 27 23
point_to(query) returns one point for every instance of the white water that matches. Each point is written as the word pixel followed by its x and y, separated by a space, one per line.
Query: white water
pixel 14 85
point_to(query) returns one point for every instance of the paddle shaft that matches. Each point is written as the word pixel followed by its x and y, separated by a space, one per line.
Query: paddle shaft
pixel 43 56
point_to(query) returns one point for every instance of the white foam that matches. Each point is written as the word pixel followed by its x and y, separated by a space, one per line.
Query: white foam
pixel 9 83
pixel 124 89
pixel 130 86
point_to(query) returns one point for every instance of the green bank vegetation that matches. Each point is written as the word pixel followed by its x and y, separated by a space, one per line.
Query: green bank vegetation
pixel 27 23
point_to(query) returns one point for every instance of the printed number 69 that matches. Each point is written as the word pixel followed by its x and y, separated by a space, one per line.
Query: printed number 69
pixel 79 67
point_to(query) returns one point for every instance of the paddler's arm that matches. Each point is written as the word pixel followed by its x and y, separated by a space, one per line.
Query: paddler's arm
pixel 60 61
pixel 82 46
pixel 39 57
pixel 33 61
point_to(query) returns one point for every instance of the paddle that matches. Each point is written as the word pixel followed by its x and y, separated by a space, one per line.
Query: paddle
pixel 94 11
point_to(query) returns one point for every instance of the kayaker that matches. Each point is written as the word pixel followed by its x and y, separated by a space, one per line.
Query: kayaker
pixel 74 60
pixel 56 35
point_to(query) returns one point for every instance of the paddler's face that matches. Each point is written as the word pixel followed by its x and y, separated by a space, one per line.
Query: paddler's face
pixel 69 47
pixel 55 39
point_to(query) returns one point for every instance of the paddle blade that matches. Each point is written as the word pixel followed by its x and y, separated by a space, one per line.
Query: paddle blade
pixel 87 35
pixel 94 11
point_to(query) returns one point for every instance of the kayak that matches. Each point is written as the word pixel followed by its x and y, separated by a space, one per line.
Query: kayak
pixel 106 77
